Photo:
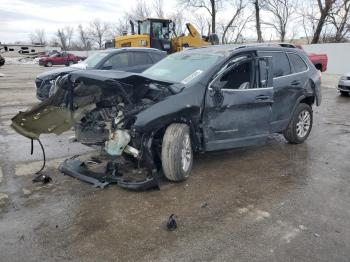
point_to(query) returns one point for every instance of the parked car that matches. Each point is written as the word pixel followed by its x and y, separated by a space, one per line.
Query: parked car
pixel 49 53
pixel 344 85
pixel 198 100
pixel 2 61
pixel 125 59
pixel 60 59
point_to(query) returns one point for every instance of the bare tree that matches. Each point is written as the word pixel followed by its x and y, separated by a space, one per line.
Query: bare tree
pixel 98 32
pixel 281 11
pixel 140 11
pixel 212 6
pixel 84 39
pixel 238 7
pixel 201 23
pixel 340 19
pixel 122 27
pixel 256 4
pixel 38 37
pixel 178 20
pixel 64 37
pixel 158 7
pixel 324 11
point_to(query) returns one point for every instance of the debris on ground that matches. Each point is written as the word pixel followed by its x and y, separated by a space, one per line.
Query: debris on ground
pixel 45 179
pixel 204 204
pixel 171 224
pixel 316 235
pixel 302 227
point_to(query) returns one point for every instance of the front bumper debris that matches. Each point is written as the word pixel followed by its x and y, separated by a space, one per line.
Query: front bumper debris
pixel 78 169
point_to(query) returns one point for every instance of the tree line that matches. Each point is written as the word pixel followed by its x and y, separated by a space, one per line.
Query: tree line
pixel 315 20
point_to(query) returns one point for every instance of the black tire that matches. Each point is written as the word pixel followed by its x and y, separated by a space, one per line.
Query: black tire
pixel 176 166
pixel 344 93
pixel 70 63
pixel 291 133
pixel 49 64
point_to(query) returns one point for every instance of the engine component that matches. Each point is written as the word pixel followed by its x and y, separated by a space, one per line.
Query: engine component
pixel 117 142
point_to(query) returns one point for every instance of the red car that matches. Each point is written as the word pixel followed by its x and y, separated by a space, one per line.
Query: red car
pixel 319 60
pixel 60 59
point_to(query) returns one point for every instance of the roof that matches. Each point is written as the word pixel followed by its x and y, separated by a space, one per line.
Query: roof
pixel 228 49
pixel 132 49
pixel 156 19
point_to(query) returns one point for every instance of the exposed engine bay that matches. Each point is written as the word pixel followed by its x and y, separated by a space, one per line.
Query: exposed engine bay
pixel 102 112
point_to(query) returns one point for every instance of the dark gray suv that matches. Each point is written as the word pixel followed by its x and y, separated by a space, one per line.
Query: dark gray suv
pixel 198 100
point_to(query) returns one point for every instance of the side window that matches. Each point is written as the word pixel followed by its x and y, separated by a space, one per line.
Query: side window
pixel 298 63
pixel 141 58
pixel 280 63
pixel 117 62
pixel 239 76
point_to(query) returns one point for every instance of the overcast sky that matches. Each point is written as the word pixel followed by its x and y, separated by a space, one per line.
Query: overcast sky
pixel 18 18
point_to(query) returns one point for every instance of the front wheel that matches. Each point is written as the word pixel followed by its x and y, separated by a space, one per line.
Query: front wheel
pixel 177 154
pixel 300 125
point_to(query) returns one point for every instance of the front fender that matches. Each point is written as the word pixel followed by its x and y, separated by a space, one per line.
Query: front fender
pixel 177 108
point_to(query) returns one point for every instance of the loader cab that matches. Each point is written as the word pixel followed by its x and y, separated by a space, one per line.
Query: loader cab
pixel 158 31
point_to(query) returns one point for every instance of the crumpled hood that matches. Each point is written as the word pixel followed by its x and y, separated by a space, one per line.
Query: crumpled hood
pixel 55 115
pixel 111 76
pixel 55 72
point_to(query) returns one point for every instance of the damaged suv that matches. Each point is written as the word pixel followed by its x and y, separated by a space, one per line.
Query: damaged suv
pixel 198 100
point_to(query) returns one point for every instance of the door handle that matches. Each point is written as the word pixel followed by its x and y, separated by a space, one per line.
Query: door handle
pixel 295 83
pixel 262 97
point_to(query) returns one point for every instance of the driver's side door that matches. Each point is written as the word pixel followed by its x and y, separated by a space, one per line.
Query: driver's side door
pixel 238 104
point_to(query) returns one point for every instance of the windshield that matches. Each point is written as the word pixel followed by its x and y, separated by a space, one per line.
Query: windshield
pixel 94 59
pixel 182 67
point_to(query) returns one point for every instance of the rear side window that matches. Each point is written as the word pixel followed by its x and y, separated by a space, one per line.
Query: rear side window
pixel 298 63
pixel 142 59
pixel 280 63
pixel 117 62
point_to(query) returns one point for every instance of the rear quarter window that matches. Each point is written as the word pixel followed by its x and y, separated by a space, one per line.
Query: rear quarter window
pixel 298 63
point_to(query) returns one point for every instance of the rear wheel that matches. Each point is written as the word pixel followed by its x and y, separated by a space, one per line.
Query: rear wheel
pixel 300 126
pixel 344 93
pixel 177 154
pixel 49 64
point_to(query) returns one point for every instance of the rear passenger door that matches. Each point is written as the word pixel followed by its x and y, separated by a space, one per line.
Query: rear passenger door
pixel 286 89
pixel 140 62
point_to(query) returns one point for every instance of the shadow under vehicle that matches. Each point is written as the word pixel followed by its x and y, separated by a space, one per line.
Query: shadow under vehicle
pixel 198 100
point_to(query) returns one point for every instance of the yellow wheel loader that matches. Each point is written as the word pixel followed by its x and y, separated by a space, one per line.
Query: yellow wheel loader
pixel 160 34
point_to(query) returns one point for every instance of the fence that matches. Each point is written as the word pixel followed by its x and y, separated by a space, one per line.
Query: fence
pixel 338 56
